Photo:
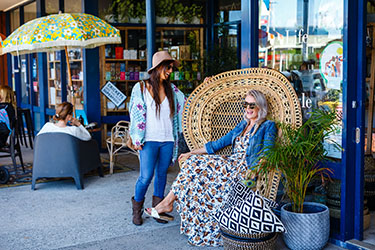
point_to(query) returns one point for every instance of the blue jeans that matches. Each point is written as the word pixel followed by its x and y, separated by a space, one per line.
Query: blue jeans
pixel 154 157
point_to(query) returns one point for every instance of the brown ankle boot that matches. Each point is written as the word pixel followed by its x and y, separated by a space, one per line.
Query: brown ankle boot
pixel 155 201
pixel 137 212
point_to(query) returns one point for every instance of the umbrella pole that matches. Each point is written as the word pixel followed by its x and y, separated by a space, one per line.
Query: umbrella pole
pixel 71 89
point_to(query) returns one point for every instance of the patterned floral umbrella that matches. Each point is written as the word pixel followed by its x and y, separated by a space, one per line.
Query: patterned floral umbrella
pixel 2 37
pixel 57 32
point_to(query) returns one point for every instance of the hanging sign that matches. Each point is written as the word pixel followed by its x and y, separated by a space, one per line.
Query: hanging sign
pixel 113 94
pixel 331 64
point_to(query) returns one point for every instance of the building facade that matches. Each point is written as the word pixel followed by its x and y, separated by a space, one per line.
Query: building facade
pixel 319 45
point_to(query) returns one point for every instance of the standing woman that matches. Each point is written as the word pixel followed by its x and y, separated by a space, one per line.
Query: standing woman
pixel 7 113
pixel 155 115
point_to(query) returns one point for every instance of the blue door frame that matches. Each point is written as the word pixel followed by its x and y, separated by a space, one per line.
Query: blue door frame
pixel 350 169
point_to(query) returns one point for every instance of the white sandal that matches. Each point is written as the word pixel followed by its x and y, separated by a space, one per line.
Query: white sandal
pixel 156 215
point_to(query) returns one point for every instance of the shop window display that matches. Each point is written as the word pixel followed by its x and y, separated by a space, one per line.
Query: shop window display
pixel 54 78
pixel 126 64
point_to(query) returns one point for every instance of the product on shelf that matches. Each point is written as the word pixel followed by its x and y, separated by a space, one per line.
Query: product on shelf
pixel 119 52
pixel 184 52
pixel 130 54
pixel 142 54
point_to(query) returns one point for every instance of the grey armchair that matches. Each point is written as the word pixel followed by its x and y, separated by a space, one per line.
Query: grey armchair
pixel 63 155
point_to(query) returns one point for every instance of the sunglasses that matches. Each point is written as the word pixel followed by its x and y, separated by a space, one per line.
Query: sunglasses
pixel 168 67
pixel 250 105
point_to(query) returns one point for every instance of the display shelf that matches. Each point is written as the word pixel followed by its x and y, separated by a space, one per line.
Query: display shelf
pixel 126 64
pixel 55 93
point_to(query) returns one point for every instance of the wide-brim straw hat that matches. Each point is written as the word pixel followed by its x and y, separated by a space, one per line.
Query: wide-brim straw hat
pixel 162 56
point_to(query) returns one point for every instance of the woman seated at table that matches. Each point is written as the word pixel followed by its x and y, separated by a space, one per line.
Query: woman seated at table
pixel 66 123
pixel 7 113
pixel 205 180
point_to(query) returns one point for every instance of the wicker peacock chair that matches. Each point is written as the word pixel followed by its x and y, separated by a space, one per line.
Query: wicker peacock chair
pixel 215 108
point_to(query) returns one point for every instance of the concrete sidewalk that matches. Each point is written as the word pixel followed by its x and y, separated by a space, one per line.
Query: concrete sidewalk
pixel 58 216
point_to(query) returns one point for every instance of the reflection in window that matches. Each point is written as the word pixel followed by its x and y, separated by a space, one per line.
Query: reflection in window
pixel 34 77
pixel 229 11
pixel 52 7
pixel 226 46
pixel 103 9
pixel 73 6
pixel 29 12
pixel 25 85
pixel 306 46
pixel 14 19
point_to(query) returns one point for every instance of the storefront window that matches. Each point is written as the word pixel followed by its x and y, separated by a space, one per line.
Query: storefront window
pixel 306 46
pixel 34 77
pixel 14 19
pixel 24 81
pixel 73 6
pixel 229 11
pixel 104 5
pixel 166 12
pixel 29 12
pixel 224 54
pixel 52 7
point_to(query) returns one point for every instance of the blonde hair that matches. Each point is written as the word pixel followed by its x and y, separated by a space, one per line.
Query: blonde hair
pixel 261 102
pixel 7 95
pixel 63 110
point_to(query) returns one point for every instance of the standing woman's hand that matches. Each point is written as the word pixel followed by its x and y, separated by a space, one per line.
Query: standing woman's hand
pixel 207 78
pixel 137 147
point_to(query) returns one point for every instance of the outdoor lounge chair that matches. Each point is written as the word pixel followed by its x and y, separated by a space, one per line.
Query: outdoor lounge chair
pixel 63 155
pixel 215 107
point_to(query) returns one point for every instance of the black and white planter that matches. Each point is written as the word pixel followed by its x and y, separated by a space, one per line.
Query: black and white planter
pixel 308 230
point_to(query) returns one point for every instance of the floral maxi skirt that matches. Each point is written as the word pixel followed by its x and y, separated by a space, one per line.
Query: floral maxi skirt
pixel 203 183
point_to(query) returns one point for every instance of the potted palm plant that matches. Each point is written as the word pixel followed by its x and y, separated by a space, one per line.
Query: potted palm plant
pixel 299 154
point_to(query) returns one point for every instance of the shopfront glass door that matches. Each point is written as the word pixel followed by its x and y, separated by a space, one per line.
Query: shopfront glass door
pixel 303 39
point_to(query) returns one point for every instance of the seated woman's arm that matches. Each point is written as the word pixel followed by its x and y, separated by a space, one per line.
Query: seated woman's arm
pixel 80 131
pixel 213 146
pixel 195 151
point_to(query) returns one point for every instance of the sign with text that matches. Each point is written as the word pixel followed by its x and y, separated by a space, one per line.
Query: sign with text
pixel 113 94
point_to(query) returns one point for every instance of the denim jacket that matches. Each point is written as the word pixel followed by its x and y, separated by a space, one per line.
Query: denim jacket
pixel 263 137
pixel 137 111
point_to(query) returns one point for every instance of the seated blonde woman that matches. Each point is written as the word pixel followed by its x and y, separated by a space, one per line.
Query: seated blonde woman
pixel 64 116
pixel 205 180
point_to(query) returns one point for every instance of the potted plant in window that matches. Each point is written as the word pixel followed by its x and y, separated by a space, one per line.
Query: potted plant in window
pixel 299 154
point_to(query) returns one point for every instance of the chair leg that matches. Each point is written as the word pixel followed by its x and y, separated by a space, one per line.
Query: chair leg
pixel 79 182
pixel 19 153
pixel 100 171
pixel 22 130
pixel 111 159
pixel 30 129
pixel 13 156
pixel 33 183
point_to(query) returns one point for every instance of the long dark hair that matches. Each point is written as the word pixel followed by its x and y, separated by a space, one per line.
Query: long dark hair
pixel 154 82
